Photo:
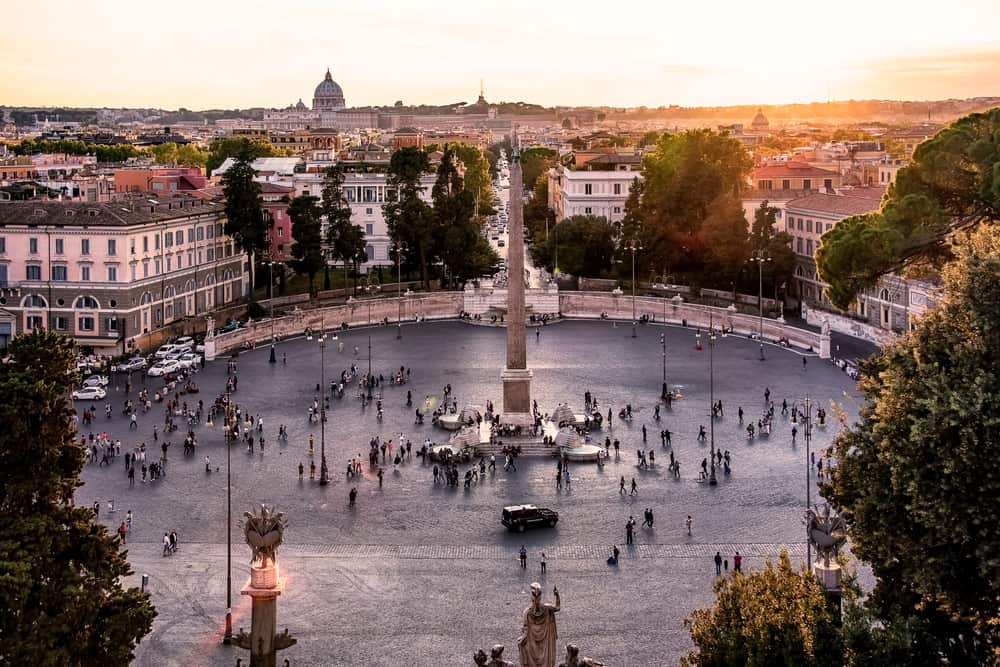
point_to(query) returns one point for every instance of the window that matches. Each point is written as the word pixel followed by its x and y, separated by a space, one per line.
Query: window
pixel 168 263
pixel 370 252
pixel 168 240
pixel 112 274
pixel 59 246
pixel 156 242
pixel 587 210
pixel 618 188
pixel 59 273
pixel 809 247
pixel 112 247
pixel 806 184
pixel 200 234
pixel 157 267
pixel 35 322
pixel 790 225
pixel 368 229
pixel 618 209
pixel 191 235
pixel 33 272
pixel 180 237
pixel 281 232
pixel 764 185
pixel 829 226
pixel 86 302
pixel 84 273
pixel 828 183
pixel 210 254
pixel 132 244
pixel 786 184
pixel 111 324
pixel 798 245
pixel 368 211
pixel 588 189
pixel 145 244
pixel 33 246
pixel 61 323
pixel 809 225
pixel 3 244
pixel 86 324
pixel 210 231
pixel 191 258
pixel 180 261
pixel 799 224
pixel 84 246
pixel 218 229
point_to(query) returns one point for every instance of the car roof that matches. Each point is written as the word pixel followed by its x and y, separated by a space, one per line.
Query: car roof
pixel 515 508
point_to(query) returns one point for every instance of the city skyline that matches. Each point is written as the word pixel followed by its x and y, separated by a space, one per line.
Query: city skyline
pixel 203 57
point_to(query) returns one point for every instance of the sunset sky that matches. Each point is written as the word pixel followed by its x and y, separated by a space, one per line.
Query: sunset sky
pixel 224 54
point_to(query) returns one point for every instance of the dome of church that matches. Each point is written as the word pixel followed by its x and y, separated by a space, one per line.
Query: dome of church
pixel 328 95
pixel 760 121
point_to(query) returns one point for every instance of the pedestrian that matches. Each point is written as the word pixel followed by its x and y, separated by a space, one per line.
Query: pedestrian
pixel 635 488
pixel 166 544
pixel 621 487
pixel 352 496
pixel 795 432
pixel 542 562
pixel 380 473
pixel 804 362
pixel 718 564
pixel 121 532
pixel 740 413
pixel 301 469
pixel 644 433
pixel 208 464
pixel 688 524
pixel 523 557
pixel 737 562
pixel 628 531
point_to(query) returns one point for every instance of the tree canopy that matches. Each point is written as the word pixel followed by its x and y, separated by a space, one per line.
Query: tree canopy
pixel 534 162
pixel 103 152
pixel 245 219
pixel 345 240
pixel 952 183
pixel 477 176
pixel 184 155
pixel 776 244
pixel 460 244
pixel 774 617
pixel 411 221
pixel 307 232
pixel 583 244
pixel 60 573
pixel 226 147
pixel 917 476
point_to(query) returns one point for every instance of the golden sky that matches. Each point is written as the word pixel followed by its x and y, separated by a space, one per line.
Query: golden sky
pixel 225 54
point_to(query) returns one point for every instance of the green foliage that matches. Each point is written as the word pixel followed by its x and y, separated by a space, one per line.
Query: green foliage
pixel 60 573
pixel 952 183
pixel 103 152
pixel 460 245
pixel 245 219
pixel 345 239
pixel 916 478
pixel 477 176
pixel 226 147
pixel 775 244
pixel 537 211
pixel 584 244
pixel 307 232
pixel 535 161
pixel 726 239
pixel 683 178
pixel 775 617
pixel 410 220
pixel 184 155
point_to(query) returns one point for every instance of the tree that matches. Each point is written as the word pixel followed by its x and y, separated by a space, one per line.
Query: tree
pixel 776 616
pixel 476 177
pixel 245 219
pixel 953 183
pixel 227 147
pixel 913 475
pixel 775 244
pixel 584 244
pixel 727 241
pixel 534 162
pixel 537 214
pixel 60 573
pixel 307 232
pixel 345 240
pixel 462 248
pixel 184 155
pixel 410 220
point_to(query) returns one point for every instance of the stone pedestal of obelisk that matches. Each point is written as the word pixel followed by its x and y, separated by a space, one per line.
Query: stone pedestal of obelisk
pixel 516 377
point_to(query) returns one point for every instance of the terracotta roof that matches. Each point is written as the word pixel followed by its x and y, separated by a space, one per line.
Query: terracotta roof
pixel 833 204
pixel 791 169
pixel 775 195
pixel 274 189
pixel 114 214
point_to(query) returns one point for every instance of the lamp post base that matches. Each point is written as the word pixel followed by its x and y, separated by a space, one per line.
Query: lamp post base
pixel 274 358
pixel 633 329
pixel 712 481
pixel 761 352
pixel 324 473
pixel 227 638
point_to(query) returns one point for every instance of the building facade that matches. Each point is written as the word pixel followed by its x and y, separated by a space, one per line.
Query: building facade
pixel 105 273
pixel 599 187
pixel 793 175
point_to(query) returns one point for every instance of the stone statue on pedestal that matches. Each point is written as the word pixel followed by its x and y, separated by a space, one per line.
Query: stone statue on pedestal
pixel 537 643
pixel 574 659
pixel 495 659
pixel 826 532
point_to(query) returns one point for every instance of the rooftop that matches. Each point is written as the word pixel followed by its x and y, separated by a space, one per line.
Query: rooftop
pixel 791 169
pixel 134 211
pixel 833 204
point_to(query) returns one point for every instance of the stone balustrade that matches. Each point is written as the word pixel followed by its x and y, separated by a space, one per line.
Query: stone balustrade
pixel 446 305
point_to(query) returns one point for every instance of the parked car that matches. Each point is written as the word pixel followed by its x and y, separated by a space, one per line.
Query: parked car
pixel 96 381
pixel 89 394
pixel 522 517
pixel 184 341
pixel 164 367
pixel 164 351
pixel 189 359
pixel 133 364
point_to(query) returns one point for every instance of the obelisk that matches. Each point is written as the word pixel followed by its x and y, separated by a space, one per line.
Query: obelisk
pixel 516 377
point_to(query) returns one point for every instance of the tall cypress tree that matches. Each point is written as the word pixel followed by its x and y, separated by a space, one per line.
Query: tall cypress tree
pixel 245 220
pixel 60 572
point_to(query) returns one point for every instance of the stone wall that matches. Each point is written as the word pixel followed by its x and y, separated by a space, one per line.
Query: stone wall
pixel 848 326
pixel 487 300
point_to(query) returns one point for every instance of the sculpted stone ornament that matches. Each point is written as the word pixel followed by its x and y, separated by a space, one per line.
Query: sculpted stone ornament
pixel 573 658
pixel 263 533
pixel 537 643
pixel 827 533
pixel 495 659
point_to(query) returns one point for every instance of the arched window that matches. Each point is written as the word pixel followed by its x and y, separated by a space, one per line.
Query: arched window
pixel 210 280
pixel 146 299
pixel 86 303
pixel 189 286
pixel 34 301
pixel 228 275
pixel 169 293
pixel 884 295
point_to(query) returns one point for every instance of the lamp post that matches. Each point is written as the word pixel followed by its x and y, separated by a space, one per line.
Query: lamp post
pixel 663 344
pixel 400 249
pixel 370 367
pixel 324 476
pixel 760 256
pixel 711 396
pixel 633 247
pixel 227 638
pixel 807 423
pixel 270 301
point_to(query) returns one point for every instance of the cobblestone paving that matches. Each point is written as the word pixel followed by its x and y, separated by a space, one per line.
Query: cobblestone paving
pixel 422 574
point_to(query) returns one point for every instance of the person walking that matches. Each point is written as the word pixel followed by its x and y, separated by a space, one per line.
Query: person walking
pixel 621 486
pixel 121 532
pixel 541 562
pixel 737 562
pixel 687 523
pixel 635 488
pixel 629 527
pixel 523 556
pixel 718 564
pixel 352 496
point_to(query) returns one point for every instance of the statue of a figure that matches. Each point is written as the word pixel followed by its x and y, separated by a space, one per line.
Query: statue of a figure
pixel 537 642
pixel 573 658
pixel 495 659
pixel 209 327
pixel 827 533
pixel 263 533
pixel 825 328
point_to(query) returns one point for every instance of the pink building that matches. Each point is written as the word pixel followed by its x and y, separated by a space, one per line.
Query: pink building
pixel 159 180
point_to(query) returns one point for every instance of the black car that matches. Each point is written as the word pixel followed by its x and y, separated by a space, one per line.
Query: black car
pixel 522 517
